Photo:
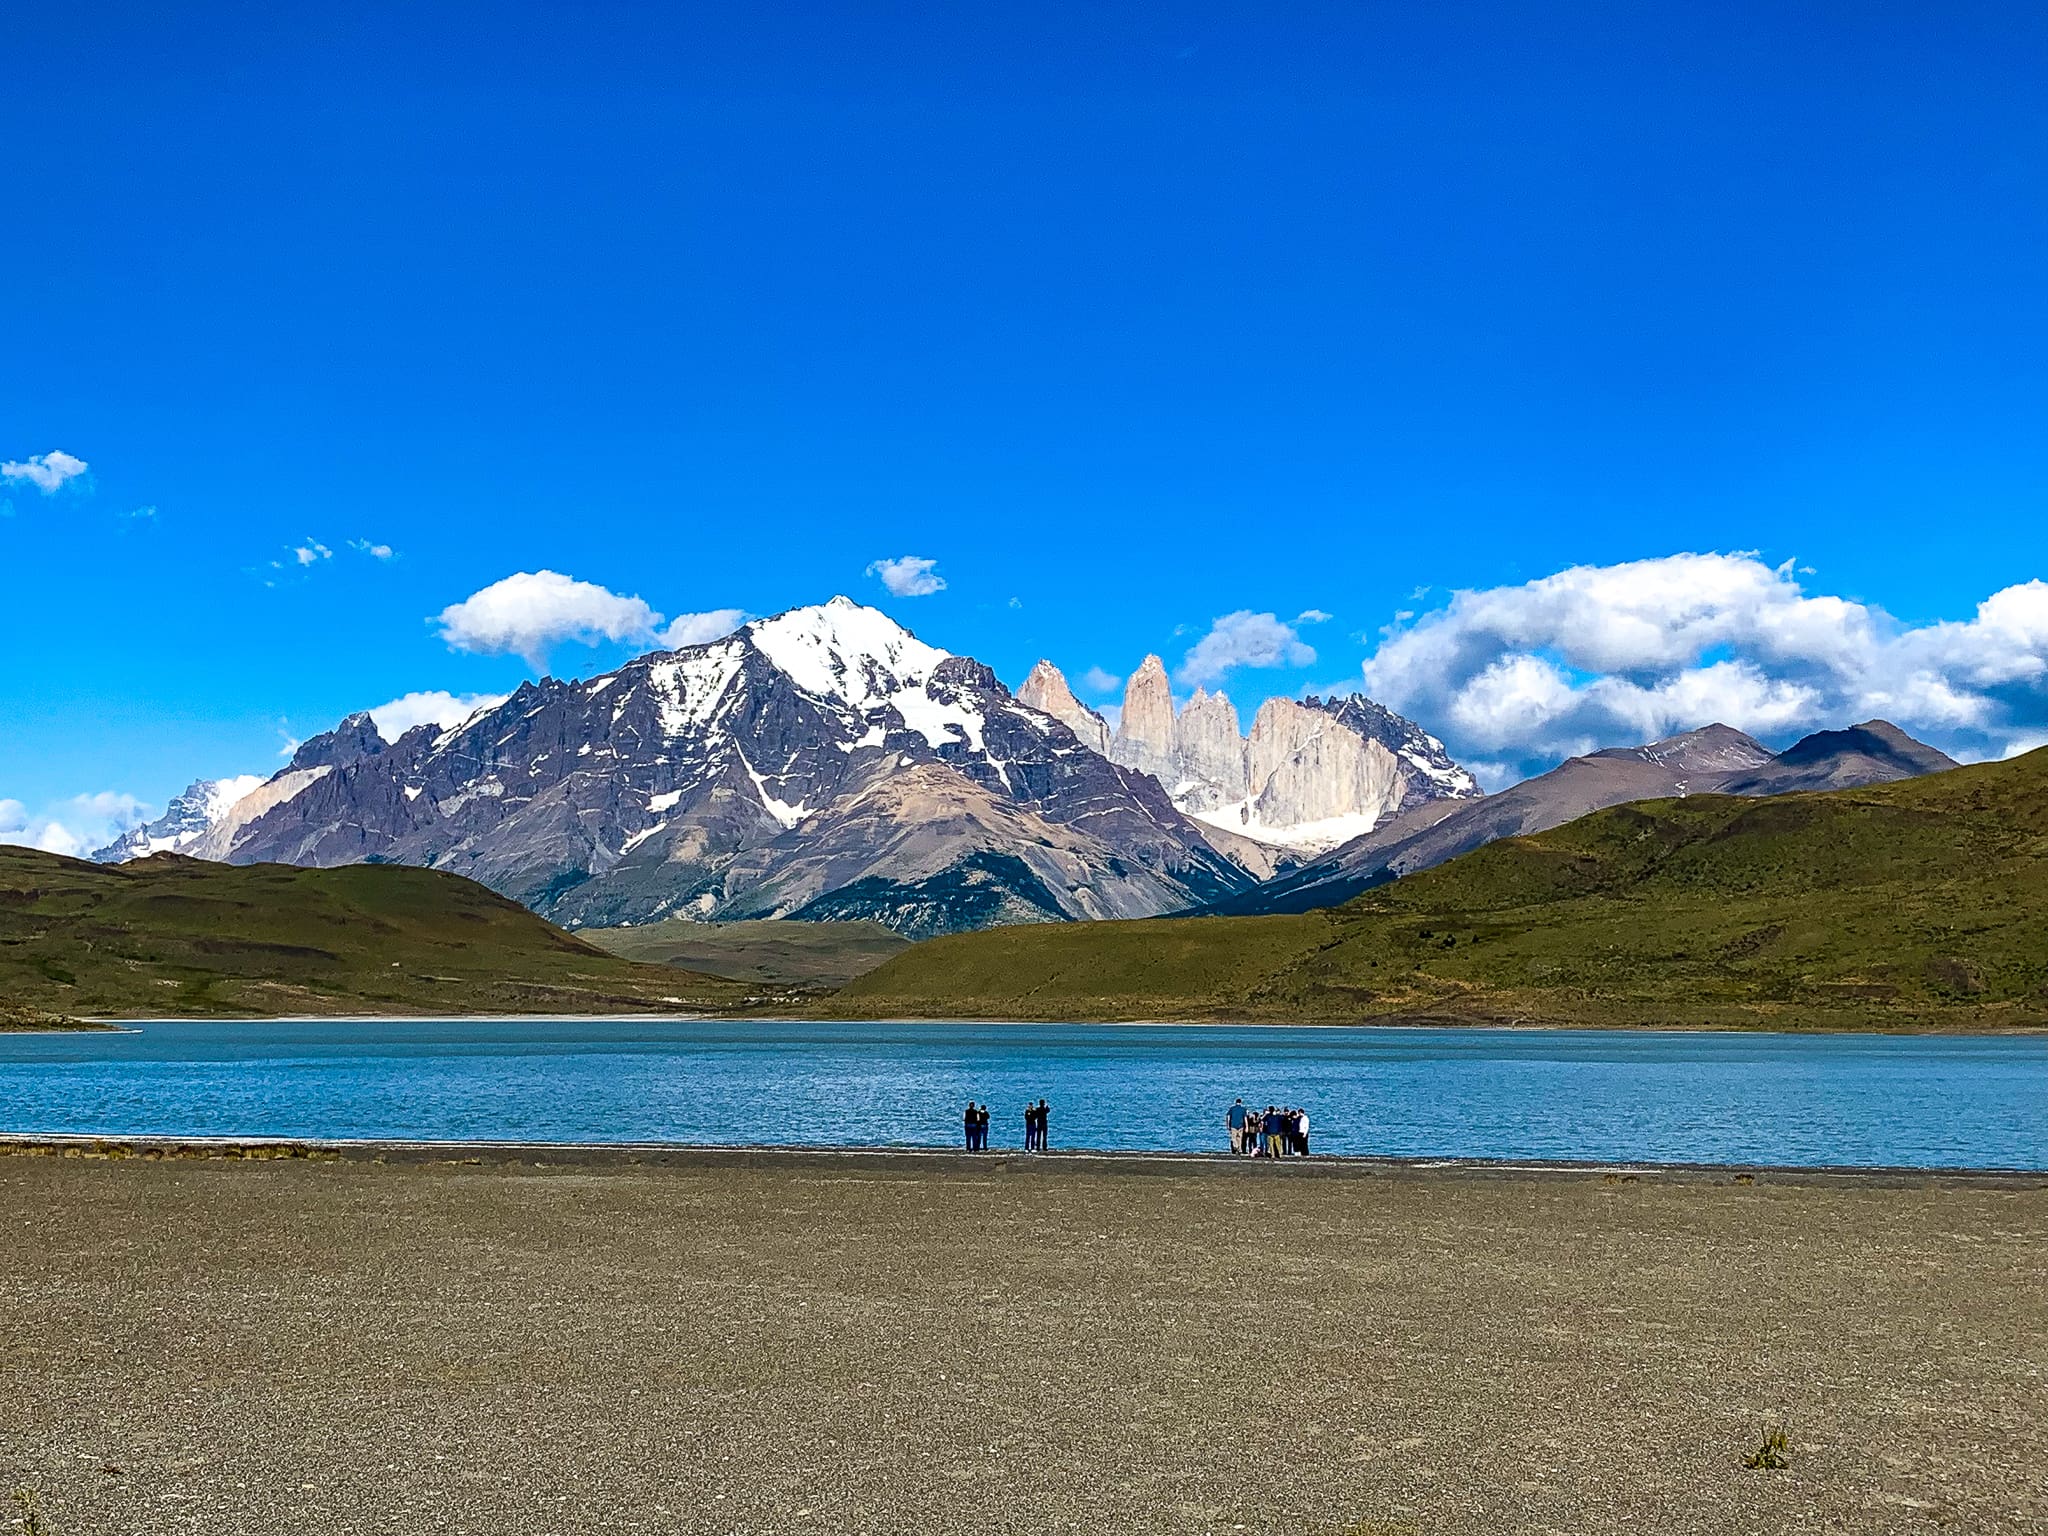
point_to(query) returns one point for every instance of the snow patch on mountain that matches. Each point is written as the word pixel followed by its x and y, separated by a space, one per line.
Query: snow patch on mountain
pixel 840 650
pixel 1312 836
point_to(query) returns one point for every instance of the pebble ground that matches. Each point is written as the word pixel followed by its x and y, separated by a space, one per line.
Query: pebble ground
pixel 245 1348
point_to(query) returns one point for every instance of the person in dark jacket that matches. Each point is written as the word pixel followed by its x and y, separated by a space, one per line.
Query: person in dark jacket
pixel 1044 1116
pixel 970 1123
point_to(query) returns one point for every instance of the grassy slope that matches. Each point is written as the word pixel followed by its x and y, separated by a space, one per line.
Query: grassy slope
pixel 762 953
pixel 1922 904
pixel 177 936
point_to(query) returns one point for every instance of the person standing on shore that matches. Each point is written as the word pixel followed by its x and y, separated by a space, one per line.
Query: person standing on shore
pixel 1044 1118
pixel 969 1124
pixel 981 1129
pixel 1301 1131
pixel 1236 1121
pixel 1030 1126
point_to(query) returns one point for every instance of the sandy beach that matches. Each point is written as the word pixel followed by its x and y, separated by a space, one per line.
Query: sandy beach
pixel 817 1344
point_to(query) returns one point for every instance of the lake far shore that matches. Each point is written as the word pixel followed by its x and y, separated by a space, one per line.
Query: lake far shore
pixel 801 1015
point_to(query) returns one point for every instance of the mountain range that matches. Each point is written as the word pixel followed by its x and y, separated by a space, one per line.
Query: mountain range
pixel 823 762
pixel 1716 759
pixel 1912 904
pixel 826 763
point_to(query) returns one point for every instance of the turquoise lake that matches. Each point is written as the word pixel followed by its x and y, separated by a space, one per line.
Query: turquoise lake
pixel 1852 1100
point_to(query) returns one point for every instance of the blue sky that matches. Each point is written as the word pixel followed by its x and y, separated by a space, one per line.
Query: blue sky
pixel 1129 318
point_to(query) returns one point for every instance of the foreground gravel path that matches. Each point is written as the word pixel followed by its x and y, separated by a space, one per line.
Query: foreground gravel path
pixel 249 1348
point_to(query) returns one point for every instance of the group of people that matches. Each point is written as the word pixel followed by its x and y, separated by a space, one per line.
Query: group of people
pixel 1036 1118
pixel 1273 1132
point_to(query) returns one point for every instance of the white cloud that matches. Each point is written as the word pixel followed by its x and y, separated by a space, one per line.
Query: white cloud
pixel 529 613
pixel 701 628
pixel 374 551
pixel 312 552
pixel 1244 639
pixel 1100 680
pixel 143 514
pixel 1609 655
pixel 1313 616
pixel 47 472
pixel 75 827
pixel 909 575
pixel 435 707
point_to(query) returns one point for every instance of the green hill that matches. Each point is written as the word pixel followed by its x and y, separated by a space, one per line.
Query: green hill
pixel 1916 905
pixel 765 952
pixel 170 935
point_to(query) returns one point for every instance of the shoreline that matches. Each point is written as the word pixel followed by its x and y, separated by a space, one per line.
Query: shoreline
pixel 132 1024
pixel 948 1160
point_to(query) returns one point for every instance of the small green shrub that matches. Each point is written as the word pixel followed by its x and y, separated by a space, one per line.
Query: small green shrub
pixel 31 1512
pixel 1772 1456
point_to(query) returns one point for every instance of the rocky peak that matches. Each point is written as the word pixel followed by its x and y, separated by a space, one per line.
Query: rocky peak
pixel 1144 734
pixel 1046 691
pixel 966 672
pixel 1425 766
pixel 1711 749
pixel 1308 769
pixel 356 738
pixel 1210 761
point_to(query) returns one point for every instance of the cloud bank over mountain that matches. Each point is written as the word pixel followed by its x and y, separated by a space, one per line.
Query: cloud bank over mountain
pixel 1595 655
pixel 529 613
pixel 73 827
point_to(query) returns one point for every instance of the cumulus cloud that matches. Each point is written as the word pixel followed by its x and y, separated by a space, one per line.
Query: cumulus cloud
pixel 434 707
pixel 1244 639
pixel 530 612
pixel 909 575
pixel 47 472
pixel 701 628
pixel 374 551
pixel 75 827
pixel 1313 616
pixel 312 552
pixel 1599 656
pixel 1100 680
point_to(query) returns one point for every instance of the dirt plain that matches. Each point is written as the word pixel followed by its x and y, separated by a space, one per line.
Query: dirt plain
pixel 248 1347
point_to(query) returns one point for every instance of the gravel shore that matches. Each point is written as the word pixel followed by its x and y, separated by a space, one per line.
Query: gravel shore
pixel 297 1347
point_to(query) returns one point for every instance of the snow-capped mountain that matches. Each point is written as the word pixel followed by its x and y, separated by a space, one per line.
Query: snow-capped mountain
pixel 821 762
pixel 204 805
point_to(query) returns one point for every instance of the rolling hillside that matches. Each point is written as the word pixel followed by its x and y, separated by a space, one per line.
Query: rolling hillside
pixel 1921 904
pixel 762 953
pixel 171 935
